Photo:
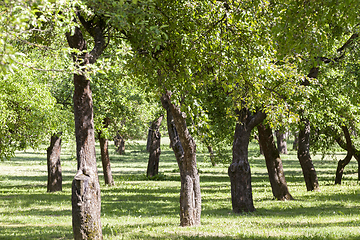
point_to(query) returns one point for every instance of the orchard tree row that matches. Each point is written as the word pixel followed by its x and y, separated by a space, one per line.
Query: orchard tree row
pixel 219 69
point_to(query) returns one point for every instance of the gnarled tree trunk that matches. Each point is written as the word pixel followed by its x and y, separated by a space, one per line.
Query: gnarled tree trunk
pixel 273 164
pixel 185 151
pixel 303 153
pixel 86 200
pixel 153 146
pixel 54 183
pixel 239 170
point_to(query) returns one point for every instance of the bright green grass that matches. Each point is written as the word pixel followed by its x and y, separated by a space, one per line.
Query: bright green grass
pixel 137 208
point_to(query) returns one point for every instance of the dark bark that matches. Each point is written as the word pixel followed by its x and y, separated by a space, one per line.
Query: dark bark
pixel 353 151
pixel 304 157
pixel 120 144
pixel 357 157
pixel 86 200
pixel 281 142
pixel 239 170
pixel 342 163
pixel 273 164
pixel 260 148
pixel 105 160
pixel 185 151
pixel 154 147
pixel 296 141
pixel 54 183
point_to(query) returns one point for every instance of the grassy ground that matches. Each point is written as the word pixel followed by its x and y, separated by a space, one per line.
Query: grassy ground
pixel 138 208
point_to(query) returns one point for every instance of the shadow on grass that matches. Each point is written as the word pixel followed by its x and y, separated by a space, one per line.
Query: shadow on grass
pixel 30 232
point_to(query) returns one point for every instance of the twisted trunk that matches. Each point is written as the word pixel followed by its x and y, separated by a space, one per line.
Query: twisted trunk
pixel 54 183
pixel 273 164
pixel 348 146
pixel 239 170
pixel 86 200
pixel 185 151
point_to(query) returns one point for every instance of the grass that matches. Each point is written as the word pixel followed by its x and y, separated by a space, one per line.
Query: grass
pixel 139 208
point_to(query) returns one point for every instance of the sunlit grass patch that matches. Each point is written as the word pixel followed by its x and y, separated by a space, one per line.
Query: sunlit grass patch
pixel 141 208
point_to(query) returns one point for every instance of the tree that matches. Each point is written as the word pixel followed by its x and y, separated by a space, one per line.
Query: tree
pixel 27 112
pixel 54 165
pixel 153 147
pixel 239 170
pixel 185 151
pixel 273 163
pixel 86 200
pixel 310 40
pixel 281 142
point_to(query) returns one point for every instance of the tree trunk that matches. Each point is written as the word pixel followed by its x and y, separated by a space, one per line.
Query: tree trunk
pixel 273 164
pixel 212 157
pixel 120 144
pixel 185 151
pixel 357 157
pixel 239 170
pixel 281 142
pixel 306 163
pixel 154 147
pixel 54 183
pixel 296 141
pixel 260 147
pixel 86 200
pixel 105 160
pixel 342 163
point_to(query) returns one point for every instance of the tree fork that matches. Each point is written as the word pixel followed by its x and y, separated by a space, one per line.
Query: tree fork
pixel 86 199
pixel 239 170
pixel 185 151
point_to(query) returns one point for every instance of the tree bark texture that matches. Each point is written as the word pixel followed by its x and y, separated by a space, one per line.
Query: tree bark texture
pixel 239 171
pixel 120 144
pixel 105 160
pixel 281 142
pixel 273 164
pixel 86 200
pixel 154 147
pixel 304 157
pixel 185 151
pixel 54 183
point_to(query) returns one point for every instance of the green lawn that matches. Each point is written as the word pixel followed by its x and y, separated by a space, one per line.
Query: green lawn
pixel 138 208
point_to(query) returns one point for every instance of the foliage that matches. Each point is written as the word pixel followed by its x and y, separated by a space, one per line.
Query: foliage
pixel 27 112
pixel 127 108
